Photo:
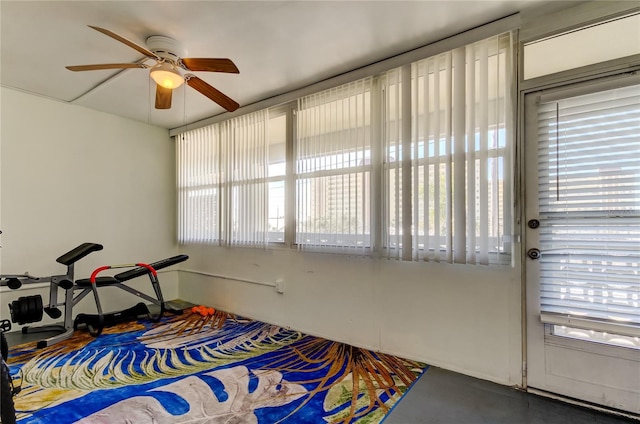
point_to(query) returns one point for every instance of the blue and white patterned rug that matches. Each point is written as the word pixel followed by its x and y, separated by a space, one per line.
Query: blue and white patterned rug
pixel 206 369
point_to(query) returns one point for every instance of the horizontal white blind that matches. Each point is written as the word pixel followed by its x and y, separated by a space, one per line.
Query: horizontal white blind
pixel 333 168
pixel 589 178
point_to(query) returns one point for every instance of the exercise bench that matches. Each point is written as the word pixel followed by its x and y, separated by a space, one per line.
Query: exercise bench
pixel 28 309
pixel 96 322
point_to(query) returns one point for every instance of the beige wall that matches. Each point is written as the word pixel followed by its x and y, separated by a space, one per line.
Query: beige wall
pixel 71 175
pixel 464 318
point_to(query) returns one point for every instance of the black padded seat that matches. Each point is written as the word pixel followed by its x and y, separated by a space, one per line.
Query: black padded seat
pixel 78 253
pixel 100 282
pixel 132 273
pixel 140 271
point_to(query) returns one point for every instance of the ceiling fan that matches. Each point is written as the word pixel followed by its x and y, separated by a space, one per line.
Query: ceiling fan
pixel 166 72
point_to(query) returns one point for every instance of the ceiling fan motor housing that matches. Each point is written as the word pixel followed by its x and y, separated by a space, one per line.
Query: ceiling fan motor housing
pixel 166 48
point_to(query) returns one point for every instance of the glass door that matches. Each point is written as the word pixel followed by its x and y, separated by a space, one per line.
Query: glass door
pixel 582 238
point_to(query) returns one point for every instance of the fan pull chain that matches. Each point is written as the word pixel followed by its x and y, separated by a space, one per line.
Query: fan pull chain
pixel 184 107
pixel 149 102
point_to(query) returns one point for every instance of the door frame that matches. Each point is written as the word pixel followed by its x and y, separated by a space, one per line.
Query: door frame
pixel 530 289
pixel 561 79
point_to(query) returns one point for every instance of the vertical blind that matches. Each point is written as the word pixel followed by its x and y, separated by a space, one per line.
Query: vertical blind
pixel 333 168
pixel 413 164
pixel 458 150
pixel 589 200
pixel 395 139
pixel 198 179
pixel 222 182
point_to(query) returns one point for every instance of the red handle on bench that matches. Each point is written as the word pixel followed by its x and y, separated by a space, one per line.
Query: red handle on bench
pixel 97 271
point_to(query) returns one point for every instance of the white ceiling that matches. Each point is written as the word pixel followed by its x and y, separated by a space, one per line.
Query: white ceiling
pixel 278 46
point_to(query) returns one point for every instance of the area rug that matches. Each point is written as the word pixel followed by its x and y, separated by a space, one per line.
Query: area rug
pixel 217 368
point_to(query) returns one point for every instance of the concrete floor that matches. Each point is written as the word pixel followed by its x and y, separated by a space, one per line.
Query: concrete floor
pixel 441 396
pixel 445 397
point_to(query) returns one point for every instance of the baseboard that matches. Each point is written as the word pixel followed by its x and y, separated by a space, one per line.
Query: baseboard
pixel 584 404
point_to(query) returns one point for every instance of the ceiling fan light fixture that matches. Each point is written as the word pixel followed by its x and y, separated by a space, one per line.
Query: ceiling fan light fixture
pixel 166 75
pixel 169 55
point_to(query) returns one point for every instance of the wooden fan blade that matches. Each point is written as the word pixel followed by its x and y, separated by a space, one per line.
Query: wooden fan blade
pixel 127 42
pixel 210 92
pixel 163 97
pixel 105 66
pixel 211 65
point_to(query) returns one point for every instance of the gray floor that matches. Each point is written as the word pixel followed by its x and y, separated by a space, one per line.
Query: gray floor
pixel 441 396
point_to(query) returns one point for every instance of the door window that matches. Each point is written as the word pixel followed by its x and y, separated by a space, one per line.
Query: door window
pixel 589 205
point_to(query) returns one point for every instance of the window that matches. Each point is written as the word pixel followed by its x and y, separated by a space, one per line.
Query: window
pixel 222 182
pixel 333 168
pixel 457 204
pixel 198 184
pixel 413 164
pixel 583 47
pixel 589 178
pixel 277 173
